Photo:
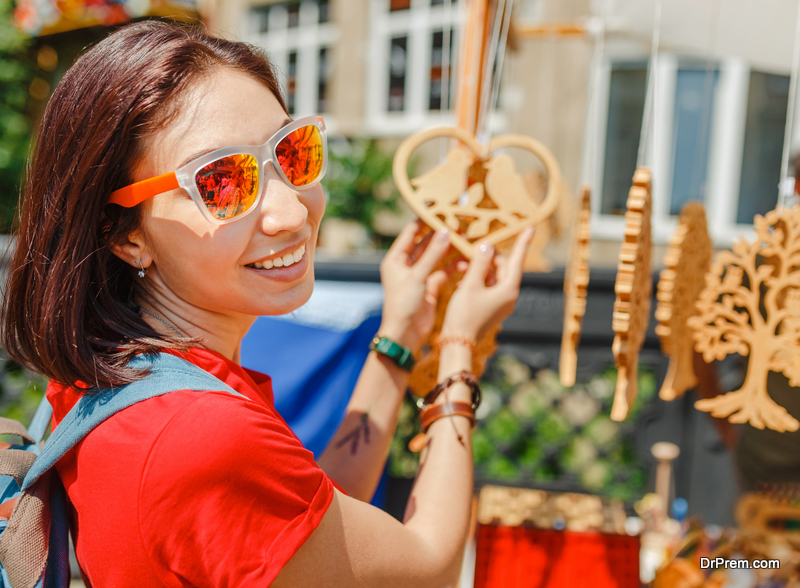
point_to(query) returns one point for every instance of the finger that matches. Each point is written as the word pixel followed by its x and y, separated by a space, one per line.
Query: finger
pixel 433 285
pixel 404 242
pixel 479 266
pixel 517 257
pixel 434 252
pixel 420 244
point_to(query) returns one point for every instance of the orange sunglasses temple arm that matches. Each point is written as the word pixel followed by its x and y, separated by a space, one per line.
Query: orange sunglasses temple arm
pixel 140 191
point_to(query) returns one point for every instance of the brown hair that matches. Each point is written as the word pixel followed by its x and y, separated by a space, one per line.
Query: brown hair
pixel 69 311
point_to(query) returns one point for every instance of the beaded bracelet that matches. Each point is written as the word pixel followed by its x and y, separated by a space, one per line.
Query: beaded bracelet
pixel 441 341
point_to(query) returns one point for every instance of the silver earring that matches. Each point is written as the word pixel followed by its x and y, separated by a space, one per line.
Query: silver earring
pixel 142 271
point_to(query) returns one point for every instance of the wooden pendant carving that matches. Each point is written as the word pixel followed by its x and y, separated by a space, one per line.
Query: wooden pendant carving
pixel 679 285
pixel 634 287
pixel 576 282
pixel 751 306
pixel 477 192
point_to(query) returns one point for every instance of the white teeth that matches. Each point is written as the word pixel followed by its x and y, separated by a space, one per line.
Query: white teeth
pixel 286 260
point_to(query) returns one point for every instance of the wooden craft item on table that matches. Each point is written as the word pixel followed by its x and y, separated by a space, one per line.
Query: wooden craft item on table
pixel 576 283
pixel 679 285
pixel 633 288
pixel 750 306
pixel 480 197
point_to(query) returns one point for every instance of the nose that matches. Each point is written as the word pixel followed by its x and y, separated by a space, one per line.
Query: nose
pixel 281 208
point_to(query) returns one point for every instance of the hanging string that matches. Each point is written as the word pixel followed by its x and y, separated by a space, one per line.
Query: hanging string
pixel 492 106
pixel 708 86
pixel 652 82
pixel 593 114
pixel 491 74
pixel 446 73
pixel 786 187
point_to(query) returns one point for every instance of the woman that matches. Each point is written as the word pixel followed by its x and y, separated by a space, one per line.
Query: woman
pixel 117 255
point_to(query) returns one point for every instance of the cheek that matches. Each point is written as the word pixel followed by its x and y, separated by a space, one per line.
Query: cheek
pixel 314 201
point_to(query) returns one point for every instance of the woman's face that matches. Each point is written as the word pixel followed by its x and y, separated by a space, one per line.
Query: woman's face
pixel 210 267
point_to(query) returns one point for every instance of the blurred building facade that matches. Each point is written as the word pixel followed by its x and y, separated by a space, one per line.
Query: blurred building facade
pixel 379 68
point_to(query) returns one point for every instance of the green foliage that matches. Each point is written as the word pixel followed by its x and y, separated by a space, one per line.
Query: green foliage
pixel 532 431
pixel 20 391
pixel 15 77
pixel 359 184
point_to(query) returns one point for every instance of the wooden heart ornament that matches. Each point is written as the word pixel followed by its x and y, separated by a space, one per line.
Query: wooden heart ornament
pixel 477 193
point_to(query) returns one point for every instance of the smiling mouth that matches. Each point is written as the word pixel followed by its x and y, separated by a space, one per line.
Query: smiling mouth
pixel 285 261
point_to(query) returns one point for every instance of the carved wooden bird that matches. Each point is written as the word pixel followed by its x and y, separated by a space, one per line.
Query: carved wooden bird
pixel 504 183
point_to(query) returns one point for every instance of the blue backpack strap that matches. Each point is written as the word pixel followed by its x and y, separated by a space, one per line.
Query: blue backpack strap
pixel 41 420
pixel 168 373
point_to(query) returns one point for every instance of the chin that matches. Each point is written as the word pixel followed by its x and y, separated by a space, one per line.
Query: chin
pixel 290 300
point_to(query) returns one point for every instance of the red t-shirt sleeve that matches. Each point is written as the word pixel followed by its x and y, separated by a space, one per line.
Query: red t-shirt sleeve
pixel 228 494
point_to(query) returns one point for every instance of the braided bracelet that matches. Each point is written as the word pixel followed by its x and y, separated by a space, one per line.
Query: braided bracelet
pixel 464 376
pixel 440 341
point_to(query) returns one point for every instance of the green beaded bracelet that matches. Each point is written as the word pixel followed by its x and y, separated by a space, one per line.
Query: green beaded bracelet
pixel 402 356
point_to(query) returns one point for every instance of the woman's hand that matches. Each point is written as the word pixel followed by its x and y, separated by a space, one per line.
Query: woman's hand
pixel 412 286
pixel 485 297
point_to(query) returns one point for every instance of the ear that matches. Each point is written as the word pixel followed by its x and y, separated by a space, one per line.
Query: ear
pixel 133 250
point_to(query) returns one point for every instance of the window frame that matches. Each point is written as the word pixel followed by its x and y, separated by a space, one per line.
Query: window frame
pixel 417 24
pixel 306 39
pixel 725 145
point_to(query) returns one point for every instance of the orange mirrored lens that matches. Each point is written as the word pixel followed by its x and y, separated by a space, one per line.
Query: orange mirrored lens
pixel 300 155
pixel 229 186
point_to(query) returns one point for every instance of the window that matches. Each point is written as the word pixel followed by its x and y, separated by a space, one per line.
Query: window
pixel 299 37
pixel 767 99
pixel 625 108
pixel 718 138
pixel 397 74
pixel 323 72
pixel 291 82
pixel 408 72
pixel 440 71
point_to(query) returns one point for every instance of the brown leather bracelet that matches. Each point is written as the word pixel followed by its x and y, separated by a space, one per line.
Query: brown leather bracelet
pixel 464 376
pixel 447 409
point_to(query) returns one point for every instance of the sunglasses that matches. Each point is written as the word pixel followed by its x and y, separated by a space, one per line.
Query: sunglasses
pixel 226 184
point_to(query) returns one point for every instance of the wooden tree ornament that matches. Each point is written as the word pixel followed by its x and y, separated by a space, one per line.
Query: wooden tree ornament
pixel 633 288
pixel 751 306
pixel 679 285
pixel 478 194
pixel 576 283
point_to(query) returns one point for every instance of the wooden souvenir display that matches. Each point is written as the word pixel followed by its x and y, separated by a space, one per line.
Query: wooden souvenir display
pixel 576 282
pixel 751 306
pixel 633 288
pixel 477 193
pixel 679 285
pixel 530 537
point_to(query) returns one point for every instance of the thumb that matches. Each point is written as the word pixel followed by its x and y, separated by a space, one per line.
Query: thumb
pixel 479 266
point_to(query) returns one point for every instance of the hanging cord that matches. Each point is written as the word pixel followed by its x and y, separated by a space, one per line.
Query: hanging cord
pixel 652 90
pixel 491 79
pixel 708 87
pixel 447 74
pixel 500 59
pixel 589 166
pixel 786 187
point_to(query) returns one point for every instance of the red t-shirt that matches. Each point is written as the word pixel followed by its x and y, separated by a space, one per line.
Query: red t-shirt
pixel 192 488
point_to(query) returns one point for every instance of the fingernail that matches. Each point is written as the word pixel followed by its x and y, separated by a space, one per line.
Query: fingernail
pixel 486 248
pixel 442 235
pixel 528 233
